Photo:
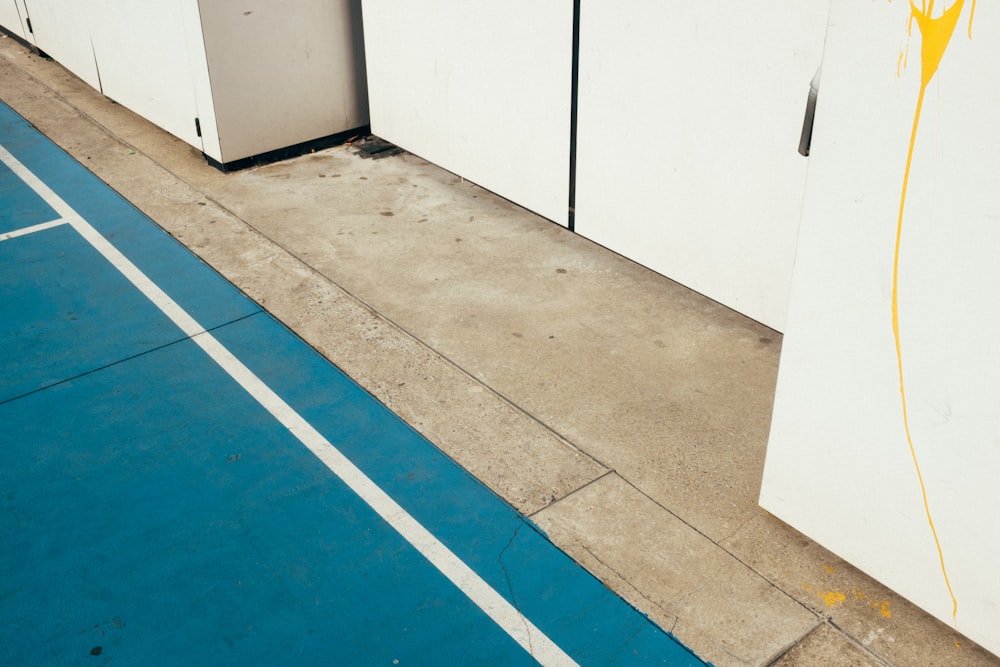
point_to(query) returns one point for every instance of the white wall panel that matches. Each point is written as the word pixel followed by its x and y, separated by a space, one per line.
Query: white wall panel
pixel 479 88
pixel 61 28
pixel 11 17
pixel 151 59
pixel 689 122
pixel 855 379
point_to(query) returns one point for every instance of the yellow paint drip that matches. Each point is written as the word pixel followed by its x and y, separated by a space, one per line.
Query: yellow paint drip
pixel 936 34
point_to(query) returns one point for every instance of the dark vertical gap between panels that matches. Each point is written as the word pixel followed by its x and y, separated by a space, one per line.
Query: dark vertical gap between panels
pixel 97 67
pixel 574 94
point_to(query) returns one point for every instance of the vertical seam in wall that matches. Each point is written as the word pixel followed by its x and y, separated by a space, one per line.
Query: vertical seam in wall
pixel 97 66
pixel 574 95
pixel 21 20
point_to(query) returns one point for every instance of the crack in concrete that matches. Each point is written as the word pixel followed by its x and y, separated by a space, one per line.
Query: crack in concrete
pixel 510 588
pixel 680 601
pixel 743 524
pixel 631 586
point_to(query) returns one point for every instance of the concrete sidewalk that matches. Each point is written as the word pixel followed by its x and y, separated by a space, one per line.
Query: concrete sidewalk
pixel 625 414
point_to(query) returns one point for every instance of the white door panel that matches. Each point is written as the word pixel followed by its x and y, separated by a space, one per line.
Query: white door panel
pixel 12 17
pixel 480 88
pixel 151 56
pixel 689 122
pixel 885 439
pixel 61 28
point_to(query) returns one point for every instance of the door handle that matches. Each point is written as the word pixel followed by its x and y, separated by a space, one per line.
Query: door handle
pixel 805 139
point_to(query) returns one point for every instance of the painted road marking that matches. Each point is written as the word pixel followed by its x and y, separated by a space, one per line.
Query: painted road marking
pixel 503 613
pixel 32 229
pixel 155 509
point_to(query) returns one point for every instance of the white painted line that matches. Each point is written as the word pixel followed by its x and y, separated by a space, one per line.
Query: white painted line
pixel 24 231
pixel 150 289
pixel 503 613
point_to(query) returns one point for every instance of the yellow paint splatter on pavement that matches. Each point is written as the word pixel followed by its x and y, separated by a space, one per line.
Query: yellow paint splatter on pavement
pixel 830 598
pixel 883 608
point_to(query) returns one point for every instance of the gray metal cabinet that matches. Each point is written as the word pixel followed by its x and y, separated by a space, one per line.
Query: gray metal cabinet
pixel 232 79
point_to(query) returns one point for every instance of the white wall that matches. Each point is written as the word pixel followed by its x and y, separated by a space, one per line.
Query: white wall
pixel 479 88
pixel 151 59
pixel 689 122
pixel 10 17
pixel 839 466
pixel 61 28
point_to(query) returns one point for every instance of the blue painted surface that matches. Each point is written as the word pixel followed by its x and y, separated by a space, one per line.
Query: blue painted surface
pixel 187 280
pixel 21 206
pixel 68 311
pixel 150 507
